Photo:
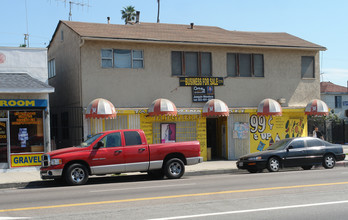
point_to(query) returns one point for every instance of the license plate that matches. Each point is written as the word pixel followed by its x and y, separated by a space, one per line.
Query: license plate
pixel 240 164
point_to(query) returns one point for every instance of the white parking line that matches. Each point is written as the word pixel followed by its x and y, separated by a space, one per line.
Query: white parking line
pixel 250 210
pixel 145 187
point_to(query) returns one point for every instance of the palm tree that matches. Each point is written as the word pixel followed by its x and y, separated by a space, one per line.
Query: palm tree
pixel 128 14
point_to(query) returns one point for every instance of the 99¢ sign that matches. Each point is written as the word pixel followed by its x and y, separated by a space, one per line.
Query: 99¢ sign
pixel 258 124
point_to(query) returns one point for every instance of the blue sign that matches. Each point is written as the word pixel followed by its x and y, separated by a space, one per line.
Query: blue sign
pixel 31 103
pixel 345 103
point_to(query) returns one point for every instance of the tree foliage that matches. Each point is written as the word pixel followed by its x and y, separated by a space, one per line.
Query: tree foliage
pixel 128 14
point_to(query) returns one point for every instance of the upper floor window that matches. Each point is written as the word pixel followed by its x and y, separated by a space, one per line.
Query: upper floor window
pixel 338 101
pixel 51 68
pixel 245 65
pixel 307 67
pixel 191 63
pixel 122 58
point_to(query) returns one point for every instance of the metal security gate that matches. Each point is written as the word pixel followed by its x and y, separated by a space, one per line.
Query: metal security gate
pixel 66 126
pixel 333 130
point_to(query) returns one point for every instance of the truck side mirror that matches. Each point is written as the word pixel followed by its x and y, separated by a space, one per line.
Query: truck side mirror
pixel 99 145
pixel 289 148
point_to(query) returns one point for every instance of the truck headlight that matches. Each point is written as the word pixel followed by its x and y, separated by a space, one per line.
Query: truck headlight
pixel 55 162
pixel 255 158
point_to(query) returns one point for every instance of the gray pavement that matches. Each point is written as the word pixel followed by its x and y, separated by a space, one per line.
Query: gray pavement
pixel 22 177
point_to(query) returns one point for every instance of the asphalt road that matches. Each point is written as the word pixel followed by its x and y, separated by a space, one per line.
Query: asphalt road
pixel 289 194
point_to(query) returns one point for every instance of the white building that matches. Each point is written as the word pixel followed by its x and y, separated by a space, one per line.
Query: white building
pixel 336 97
pixel 24 106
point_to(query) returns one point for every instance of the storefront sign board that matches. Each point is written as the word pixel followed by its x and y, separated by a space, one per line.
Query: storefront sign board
pixel 24 160
pixel 15 103
pixel 201 81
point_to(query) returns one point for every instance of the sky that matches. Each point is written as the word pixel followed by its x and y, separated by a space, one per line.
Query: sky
pixel 321 22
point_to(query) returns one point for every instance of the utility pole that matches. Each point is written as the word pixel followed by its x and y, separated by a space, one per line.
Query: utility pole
pixel 158 11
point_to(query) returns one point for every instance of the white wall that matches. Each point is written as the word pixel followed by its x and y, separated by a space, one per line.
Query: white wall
pixel 25 60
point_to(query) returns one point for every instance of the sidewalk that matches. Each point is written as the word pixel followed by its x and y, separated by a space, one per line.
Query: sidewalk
pixel 22 177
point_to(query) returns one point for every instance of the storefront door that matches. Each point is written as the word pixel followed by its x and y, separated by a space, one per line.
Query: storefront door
pixel 3 144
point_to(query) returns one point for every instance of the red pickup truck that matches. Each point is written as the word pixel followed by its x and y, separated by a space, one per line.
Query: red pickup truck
pixel 119 151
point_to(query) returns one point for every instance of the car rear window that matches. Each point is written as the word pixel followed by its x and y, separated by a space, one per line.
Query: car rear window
pixel 132 138
pixel 314 143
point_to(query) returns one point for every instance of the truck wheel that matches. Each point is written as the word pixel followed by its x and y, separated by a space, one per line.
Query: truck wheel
pixel 174 168
pixel 76 174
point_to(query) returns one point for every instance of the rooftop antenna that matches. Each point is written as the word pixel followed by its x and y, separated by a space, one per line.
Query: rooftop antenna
pixel 80 3
pixel 26 36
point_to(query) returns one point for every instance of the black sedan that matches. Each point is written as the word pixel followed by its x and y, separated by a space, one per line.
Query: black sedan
pixel 293 152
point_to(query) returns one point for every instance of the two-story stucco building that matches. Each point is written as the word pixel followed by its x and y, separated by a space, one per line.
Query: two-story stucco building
pixel 133 65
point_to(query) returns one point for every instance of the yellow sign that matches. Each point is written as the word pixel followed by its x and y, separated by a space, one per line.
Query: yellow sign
pixel 24 160
pixel 201 81
pixel 266 130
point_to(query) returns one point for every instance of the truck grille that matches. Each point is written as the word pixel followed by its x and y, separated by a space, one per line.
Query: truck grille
pixel 45 160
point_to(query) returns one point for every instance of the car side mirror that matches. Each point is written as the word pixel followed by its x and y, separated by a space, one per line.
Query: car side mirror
pixel 289 148
pixel 99 145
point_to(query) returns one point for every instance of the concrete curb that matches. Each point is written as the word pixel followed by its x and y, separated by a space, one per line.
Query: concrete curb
pixel 49 183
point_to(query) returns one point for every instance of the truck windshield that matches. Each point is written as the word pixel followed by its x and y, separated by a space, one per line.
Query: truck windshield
pixel 90 140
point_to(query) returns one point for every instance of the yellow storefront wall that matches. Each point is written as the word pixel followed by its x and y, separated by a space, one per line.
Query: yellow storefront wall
pixel 146 124
pixel 266 130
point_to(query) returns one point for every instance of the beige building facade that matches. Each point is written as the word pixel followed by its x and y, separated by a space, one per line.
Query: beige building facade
pixel 253 66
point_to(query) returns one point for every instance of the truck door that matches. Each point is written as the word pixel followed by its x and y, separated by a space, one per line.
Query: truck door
pixel 109 158
pixel 136 152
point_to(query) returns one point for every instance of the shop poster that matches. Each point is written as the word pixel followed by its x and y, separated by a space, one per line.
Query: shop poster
pixel 266 130
pixel 168 132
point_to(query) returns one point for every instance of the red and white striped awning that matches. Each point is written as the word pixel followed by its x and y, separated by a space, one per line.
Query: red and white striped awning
pixel 100 108
pixel 215 108
pixel 162 107
pixel 316 107
pixel 269 107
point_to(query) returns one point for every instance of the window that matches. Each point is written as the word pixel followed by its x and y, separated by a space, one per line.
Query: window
pixel 112 140
pixel 191 63
pixel 307 67
pixel 245 65
pixel 27 131
pixel 314 143
pixel 62 35
pixel 122 58
pixel 297 144
pixel 338 101
pixel 51 68
pixel 132 138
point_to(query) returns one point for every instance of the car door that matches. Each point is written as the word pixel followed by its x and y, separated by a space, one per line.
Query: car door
pixel 110 157
pixel 296 154
pixel 316 150
pixel 136 152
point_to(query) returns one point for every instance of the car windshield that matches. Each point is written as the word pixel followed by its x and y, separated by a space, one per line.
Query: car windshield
pixel 90 140
pixel 280 145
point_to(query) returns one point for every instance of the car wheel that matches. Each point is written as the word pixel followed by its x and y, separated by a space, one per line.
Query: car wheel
pixel 155 174
pixel 174 168
pixel 329 161
pixel 273 164
pixel 76 174
pixel 307 167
